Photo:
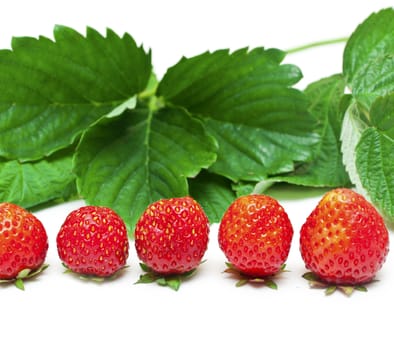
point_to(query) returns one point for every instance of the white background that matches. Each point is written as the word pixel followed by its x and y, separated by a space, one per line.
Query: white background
pixel 58 311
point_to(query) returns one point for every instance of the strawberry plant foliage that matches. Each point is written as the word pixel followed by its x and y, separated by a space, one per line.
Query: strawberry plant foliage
pixel 134 142
pixel 368 61
pixel 246 101
pixel 358 127
pixel 85 114
pixel 368 131
pixel 140 157
pixel 374 155
pixel 50 178
pixel 327 104
pixel 51 91
pixel 213 192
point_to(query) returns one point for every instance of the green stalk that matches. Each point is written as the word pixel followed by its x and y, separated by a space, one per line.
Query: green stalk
pixel 316 44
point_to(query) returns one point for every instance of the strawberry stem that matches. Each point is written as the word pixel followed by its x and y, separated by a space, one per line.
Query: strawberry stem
pixel 317 44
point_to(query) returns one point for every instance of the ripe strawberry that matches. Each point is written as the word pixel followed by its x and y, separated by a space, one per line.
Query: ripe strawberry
pixel 344 240
pixel 255 235
pixel 93 241
pixel 23 244
pixel 171 238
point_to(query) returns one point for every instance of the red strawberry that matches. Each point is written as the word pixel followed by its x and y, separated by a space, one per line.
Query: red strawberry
pixel 23 244
pixel 171 238
pixel 93 241
pixel 344 241
pixel 255 234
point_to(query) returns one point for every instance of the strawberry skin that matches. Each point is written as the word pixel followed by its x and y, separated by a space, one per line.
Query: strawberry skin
pixel 23 241
pixel 344 240
pixel 171 236
pixel 93 241
pixel 255 235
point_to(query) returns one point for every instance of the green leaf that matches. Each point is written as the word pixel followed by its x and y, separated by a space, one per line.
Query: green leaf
pixel 118 110
pixel 309 276
pixel 72 82
pixel 331 290
pixel 32 183
pixel 128 162
pixel 347 290
pixel 243 279
pixel 213 192
pixel 244 188
pixel 361 288
pixel 147 278
pixel 327 104
pixel 191 272
pixel 241 282
pixel 246 101
pixel 368 62
pixel 375 166
pixel 316 282
pixel 367 145
pixel 368 129
pixel 36 272
pixel 271 284
pixel 174 282
pixel 352 127
pixel 144 267
pixel 19 284
pixel 382 115
pixel 23 273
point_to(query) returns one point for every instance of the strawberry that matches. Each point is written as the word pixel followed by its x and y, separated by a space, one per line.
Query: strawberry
pixel 171 238
pixel 23 244
pixel 255 235
pixel 93 242
pixel 344 241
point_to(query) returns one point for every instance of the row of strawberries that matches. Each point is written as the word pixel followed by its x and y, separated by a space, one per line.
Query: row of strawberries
pixel 343 242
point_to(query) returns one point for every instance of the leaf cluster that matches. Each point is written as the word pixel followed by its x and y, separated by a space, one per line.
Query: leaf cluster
pixel 368 129
pixel 84 116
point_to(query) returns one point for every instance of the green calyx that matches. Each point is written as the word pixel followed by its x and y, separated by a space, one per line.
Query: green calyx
pixel 24 275
pixel 172 281
pixel 330 288
pixel 243 279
